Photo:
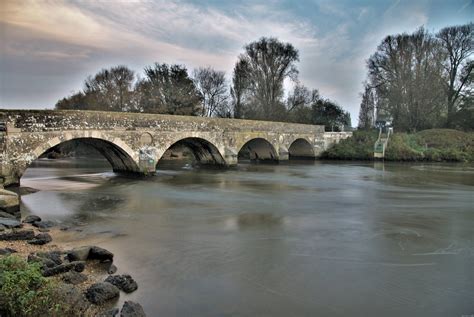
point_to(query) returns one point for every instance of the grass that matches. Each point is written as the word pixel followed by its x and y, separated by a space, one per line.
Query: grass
pixel 436 145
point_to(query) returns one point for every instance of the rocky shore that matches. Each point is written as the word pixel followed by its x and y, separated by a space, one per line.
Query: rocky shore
pixel 85 277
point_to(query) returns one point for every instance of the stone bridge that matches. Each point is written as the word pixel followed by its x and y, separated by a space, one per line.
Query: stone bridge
pixel 134 143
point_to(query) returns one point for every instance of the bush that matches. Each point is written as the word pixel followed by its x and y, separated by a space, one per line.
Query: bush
pixel 24 291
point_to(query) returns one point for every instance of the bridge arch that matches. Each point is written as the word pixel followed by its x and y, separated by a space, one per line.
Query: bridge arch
pixel 119 155
pixel 301 148
pixel 257 149
pixel 201 150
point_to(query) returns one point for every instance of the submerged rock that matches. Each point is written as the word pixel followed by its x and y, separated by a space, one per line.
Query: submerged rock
pixel 124 282
pixel 31 219
pixel 100 293
pixel 110 313
pixel 17 235
pixel 132 309
pixel 44 224
pixel 97 253
pixel 41 238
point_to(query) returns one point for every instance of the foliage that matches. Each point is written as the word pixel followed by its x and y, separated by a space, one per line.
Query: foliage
pixel 422 80
pixel 168 89
pixel 258 78
pixel 427 145
pixel 25 292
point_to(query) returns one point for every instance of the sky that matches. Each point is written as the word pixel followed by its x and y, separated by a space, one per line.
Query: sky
pixel 48 48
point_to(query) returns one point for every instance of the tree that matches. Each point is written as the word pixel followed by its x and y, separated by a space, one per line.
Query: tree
pixel 367 109
pixel 327 113
pixel 264 66
pixel 299 103
pixel 458 44
pixel 240 88
pixel 406 72
pixel 110 89
pixel 213 88
pixel 168 89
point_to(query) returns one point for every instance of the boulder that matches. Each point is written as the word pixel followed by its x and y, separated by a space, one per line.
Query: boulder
pixel 7 251
pixel 10 223
pixel 110 313
pixel 77 266
pixel 100 293
pixel 44 224
pixel 41 238
pixel 54 256
pixel 31 219
pixel 124 282
pixel 74 278
pixel 17 235
pixel 97 253
pixel 4 214
pixel 9 201
pixel 78 254
pixel 112 269
pixel 45 263
pixel 132 309
pixel 72 298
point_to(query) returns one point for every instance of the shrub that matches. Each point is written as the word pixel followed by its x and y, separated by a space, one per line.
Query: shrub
pixel 24 291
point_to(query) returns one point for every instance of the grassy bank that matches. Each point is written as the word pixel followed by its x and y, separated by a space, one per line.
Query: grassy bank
pixel 436 145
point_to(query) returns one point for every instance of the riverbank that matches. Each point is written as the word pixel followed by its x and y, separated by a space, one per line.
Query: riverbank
pixel 39 276
pixel 435 145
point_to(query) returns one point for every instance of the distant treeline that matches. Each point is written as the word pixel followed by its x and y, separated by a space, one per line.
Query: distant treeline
pixel 421 81
pixel 255 91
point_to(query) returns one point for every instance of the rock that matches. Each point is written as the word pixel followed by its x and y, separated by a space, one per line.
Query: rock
pixel 44 230
pixel 132 309
pixel 4 214
pixel 99 293
pixel 7 251
pixel 18 235
pixel 77 266
pixel 10 223
pixel 44 224
pixel 41 238
pixel 2 228
pixel 31 219
pixel 112 269
pixel 54 256
pixel 73 298
pixel 74 278
pixel 110 313
pixel 45 263
pixel 124 282
pixel 97 253
pixel 9 201
pixel 78 254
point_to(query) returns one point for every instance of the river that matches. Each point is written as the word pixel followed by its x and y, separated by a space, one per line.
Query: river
pixel 303 239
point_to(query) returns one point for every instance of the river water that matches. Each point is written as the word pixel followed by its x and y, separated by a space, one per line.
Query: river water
pixel 314 239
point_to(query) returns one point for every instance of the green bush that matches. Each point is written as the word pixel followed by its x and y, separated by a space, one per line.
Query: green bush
pixel 24 291
pixel 429 145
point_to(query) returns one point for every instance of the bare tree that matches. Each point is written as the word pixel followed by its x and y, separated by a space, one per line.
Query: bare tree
pixel 406 72
pixel 268 62
pixel 240 88
pixel 458 45
pixel 213 87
